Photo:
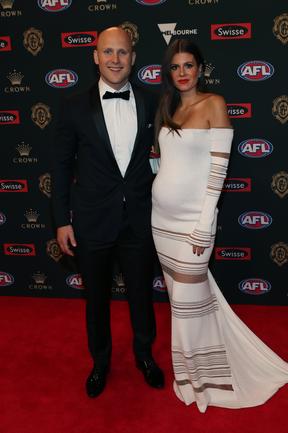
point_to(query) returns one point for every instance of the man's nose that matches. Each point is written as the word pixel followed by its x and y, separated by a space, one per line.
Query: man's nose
pixel 115 58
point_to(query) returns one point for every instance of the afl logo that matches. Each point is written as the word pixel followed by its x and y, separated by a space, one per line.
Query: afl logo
pixel 254 286
pixel 54 5
pixel 159 285
pixel 150 74
pixel 255 220
pixel 6 279
pixel 61 78
pixel 255 70
pixel 255 148
pixel 75 281
pixel 150 2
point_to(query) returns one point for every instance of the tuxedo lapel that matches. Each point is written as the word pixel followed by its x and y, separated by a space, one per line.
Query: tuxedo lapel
pixel 140 109
pixel 98 118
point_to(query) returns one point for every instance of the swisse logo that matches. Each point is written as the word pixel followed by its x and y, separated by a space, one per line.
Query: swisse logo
pixel 54 5
pixel 255 220
pixel 5 43
pixel 237 184
pixel 150 2
pixel 241 110
pixel 255 70
pixel 255 148
pixel 150 74
pixel 232 253
pixel 19 250
pixel 6 279
pixel 159 285
pixel 9 117
pixel 231 31
pixel 254 286
pixel 12 185
pixel 75 281
pixel 79 39
pixel 61 78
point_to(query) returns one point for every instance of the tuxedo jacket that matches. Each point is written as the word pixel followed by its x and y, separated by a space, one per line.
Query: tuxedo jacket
pixel 87 184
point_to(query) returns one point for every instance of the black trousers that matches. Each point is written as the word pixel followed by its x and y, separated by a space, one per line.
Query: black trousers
pixel 95 262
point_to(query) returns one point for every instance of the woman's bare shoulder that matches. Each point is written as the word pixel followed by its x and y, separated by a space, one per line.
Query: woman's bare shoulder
pixel 217 111
pixel 215 100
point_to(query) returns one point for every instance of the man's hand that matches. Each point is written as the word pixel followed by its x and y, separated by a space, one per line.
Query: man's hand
pixel 66 239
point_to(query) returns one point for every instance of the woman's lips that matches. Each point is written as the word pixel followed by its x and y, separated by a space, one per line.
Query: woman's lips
pixel 184 81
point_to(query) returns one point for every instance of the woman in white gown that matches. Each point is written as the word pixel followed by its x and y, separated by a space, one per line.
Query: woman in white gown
pixel 211 346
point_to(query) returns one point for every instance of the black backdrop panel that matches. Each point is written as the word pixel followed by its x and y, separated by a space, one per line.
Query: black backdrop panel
pixel 46 51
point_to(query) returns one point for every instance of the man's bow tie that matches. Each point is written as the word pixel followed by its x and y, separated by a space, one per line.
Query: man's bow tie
pixel 122 95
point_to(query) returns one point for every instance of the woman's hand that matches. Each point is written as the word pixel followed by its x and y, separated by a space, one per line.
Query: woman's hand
pixel 198 250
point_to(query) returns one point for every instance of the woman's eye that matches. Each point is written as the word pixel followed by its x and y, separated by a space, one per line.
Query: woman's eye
pixel 173 67
pixel 189 65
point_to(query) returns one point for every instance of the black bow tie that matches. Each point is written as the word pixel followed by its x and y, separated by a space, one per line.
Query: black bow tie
pixel 122 95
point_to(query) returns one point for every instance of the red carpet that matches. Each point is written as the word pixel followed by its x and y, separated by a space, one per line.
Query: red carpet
pixel 44 364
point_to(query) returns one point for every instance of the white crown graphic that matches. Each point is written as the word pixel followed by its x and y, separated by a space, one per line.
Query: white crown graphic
pixel 15 77
pixel 119 280
pixel 39 277
pixel 7 4
pixel 31 215
pixel 208 69
pixel 24 149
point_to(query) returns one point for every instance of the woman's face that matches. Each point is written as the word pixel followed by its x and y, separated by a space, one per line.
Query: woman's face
pixel 184 71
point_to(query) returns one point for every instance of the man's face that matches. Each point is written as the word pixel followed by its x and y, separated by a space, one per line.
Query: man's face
pixel 115 57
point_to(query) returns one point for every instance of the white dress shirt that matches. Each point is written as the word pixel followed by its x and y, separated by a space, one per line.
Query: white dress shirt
pixel 121 122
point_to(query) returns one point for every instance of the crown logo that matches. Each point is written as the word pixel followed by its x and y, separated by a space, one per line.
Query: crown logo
pixel 15 78
pixel 31 215
pixel 119 280
pixel 208 69
pixel 24 149
pixel 7 4
pixel 39 277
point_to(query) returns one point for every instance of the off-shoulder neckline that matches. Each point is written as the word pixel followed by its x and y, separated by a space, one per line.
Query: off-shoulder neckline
pixel 201 129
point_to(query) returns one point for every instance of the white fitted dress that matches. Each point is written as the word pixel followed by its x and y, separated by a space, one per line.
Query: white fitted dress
pixel 211 346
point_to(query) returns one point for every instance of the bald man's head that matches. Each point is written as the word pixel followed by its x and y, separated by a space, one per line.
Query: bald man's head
pixel 114 56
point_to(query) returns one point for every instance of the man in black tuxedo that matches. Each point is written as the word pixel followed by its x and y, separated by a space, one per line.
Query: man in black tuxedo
pixel 102 146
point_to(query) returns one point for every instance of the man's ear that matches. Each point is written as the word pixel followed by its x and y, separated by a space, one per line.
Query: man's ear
pixel 133 57
pixel 95 56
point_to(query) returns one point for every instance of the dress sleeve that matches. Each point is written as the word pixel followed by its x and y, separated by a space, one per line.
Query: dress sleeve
pixel 220 142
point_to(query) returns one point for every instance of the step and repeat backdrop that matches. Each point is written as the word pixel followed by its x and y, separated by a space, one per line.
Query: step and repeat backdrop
pixel 46 49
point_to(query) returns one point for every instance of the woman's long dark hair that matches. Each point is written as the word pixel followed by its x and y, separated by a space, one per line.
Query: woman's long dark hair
pixel 170 96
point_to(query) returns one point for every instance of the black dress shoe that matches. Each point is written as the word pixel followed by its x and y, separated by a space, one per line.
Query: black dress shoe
pixel 96 382
pixel 153 375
